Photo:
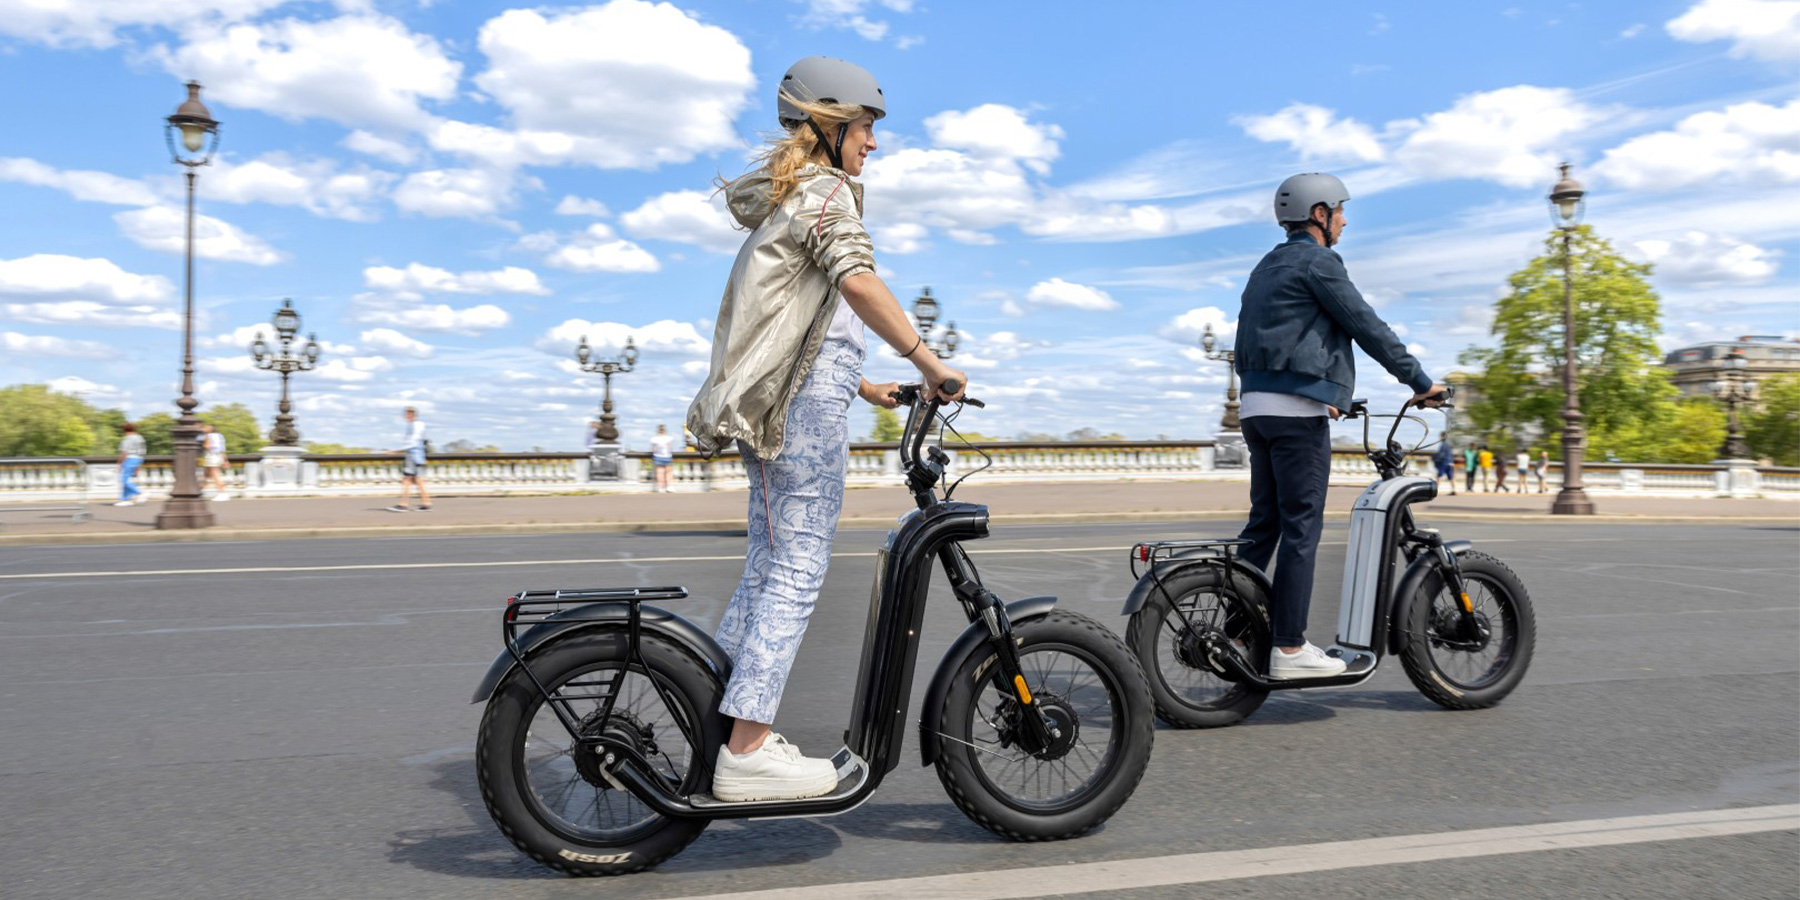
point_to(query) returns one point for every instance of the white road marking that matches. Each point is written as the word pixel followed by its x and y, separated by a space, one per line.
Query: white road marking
pixel 1197 868
pixel 507 563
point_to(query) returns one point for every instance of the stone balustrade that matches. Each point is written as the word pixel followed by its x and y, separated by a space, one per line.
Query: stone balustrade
pixel 296 474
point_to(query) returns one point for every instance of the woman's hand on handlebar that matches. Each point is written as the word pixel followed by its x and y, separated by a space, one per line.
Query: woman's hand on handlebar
pixel 935 373
pixel 886 396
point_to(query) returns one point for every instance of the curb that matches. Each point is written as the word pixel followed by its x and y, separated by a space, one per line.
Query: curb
pixel 737 524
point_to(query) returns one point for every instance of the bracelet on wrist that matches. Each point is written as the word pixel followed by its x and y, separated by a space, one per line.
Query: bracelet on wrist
pixel 920 342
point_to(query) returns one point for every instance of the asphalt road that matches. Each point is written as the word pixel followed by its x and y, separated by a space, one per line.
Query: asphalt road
pixel 302 729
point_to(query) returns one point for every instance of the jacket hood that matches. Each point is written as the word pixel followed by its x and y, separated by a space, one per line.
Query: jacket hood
pixel 748 197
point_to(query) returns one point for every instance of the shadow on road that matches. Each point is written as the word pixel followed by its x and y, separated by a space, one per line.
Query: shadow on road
pixel 918 823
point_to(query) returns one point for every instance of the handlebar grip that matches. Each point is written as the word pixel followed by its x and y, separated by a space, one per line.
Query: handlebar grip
pixel 951 386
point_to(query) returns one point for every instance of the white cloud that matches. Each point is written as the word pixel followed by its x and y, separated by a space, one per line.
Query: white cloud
pixel 849 15
pixel 655 85
pixel 393 151
pixel 598 249
pixel 91 391
pixel 571 205
pixel 91 313
pixel 1631 31
pixel 316 186
pixel 901 238
pixel 1765 29
pixel 663 336
pixel 51 276
pixel 358 70
pixel 1746 141
pixel 1068 295
pixel 950 189
pixel 75 23
pixel 994 131
pixel 354 369
pixel 1512 135
pixel 416 280
pixel 95 187
pixel 433 317
pixel 391 341
pixel 1316 133
pixel 1188 327
pixel 1699 258
pixel 457 193
pixel 689 217
pixel 35 345
pixel 165 228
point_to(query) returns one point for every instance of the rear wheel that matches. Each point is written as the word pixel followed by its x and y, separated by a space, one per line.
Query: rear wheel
pixel 1085 683
pixel 546 790
pixel 1197 607
pixel 1460 665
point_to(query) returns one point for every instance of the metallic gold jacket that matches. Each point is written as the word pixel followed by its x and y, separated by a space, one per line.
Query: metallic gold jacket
pixel 778 304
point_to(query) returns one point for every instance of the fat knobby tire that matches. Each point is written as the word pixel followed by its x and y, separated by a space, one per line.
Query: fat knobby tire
pixel 1508 591
pixel 1146 628
pixel 955 764
pixel 498 752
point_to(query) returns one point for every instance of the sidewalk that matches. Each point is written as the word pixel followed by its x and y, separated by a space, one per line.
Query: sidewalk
pixel 272 519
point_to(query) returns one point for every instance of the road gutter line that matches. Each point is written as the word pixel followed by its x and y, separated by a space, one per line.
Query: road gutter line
pixel 1197 868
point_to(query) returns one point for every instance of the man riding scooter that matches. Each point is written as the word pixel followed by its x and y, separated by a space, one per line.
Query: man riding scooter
pixel 1299 316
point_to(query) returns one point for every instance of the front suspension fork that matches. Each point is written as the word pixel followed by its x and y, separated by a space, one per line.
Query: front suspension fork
pixel 1468 624
pixel 1036 730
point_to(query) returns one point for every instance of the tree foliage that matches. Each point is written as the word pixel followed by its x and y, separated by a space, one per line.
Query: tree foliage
pixel 1773 429
pixel 36 421
pixel 1626 398
pixel 238 424
pixel 887 425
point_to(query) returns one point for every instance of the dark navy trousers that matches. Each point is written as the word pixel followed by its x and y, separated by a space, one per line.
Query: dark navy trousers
pixel 1290 463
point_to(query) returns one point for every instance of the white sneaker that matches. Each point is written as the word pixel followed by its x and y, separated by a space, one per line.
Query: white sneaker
pixel 1310 662
pixel 774 771
pixel 124 503
pixel 221 497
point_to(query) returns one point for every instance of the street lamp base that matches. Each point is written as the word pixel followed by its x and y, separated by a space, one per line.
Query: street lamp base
pixel 184 512
pixel 1572 502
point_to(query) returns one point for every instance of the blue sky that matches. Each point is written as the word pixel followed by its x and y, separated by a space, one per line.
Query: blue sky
pixel 453 193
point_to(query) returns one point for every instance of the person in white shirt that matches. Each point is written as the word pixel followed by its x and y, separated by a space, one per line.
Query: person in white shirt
pixel 412 470
pixel 212 459
pixel 662 455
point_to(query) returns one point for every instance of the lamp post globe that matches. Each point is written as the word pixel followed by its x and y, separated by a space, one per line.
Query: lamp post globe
pixel 1566 209
pixel 192 136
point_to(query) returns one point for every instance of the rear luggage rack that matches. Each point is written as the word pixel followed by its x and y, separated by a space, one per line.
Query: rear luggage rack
pixel 1150 553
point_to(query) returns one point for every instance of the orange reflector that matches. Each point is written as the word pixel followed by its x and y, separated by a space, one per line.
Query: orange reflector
pixel 1467 606
pixel 1024 692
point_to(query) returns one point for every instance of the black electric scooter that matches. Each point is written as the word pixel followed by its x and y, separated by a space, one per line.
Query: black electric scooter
pixel 1460 620
pixel 596 750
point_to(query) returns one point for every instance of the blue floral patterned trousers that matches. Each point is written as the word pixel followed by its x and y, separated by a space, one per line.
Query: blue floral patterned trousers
pixel 795 500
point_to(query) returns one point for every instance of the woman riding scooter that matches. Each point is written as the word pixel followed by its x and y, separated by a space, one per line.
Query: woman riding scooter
pixel 787 358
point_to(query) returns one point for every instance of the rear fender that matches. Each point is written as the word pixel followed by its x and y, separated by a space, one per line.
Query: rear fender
pixel 1148 585
pixel 603 617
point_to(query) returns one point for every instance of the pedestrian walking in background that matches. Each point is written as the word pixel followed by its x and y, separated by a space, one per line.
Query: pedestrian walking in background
pixel 1469 467
pixel 1445 461
pixel 212 460
pixel 592 438
pixel 794 312
pixel 1500 474
pixel 662 456
pixel 1485 460
pixel 131 458
pixel 1542 468
pixel 1523 466
pixel 412 469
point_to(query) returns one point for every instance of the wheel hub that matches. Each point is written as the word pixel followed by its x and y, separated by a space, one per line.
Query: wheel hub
pixel 620 728
pixel 1453 631
pixel 1064 724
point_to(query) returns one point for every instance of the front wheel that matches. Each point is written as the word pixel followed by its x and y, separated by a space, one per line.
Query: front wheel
pixel 1463 663
pixel 1084 681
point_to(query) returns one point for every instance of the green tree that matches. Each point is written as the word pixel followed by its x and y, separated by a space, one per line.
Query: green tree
pixel 158 429
pixel 326 447
pixel 887 425
pixel 1773 430
pixel 36 421
pixel 1688 431
pixel 1518 386
pixel 238 424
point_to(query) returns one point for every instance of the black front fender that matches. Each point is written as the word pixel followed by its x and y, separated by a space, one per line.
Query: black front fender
pixel 1421 568
pixel 1148 585
pixel 930 718
pixel 607 615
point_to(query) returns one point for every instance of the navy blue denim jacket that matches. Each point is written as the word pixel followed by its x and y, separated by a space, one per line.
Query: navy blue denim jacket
pixel 1299 316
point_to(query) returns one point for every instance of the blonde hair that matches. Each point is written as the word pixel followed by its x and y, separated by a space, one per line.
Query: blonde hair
pixel 785 153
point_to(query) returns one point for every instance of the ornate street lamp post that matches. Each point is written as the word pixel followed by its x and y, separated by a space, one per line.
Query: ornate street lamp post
pixel 1208 340
pixel 607 433
pixel 287 326
pixel 1566 208
pixel 198 139
pixel 1734 387
pixel 925 311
